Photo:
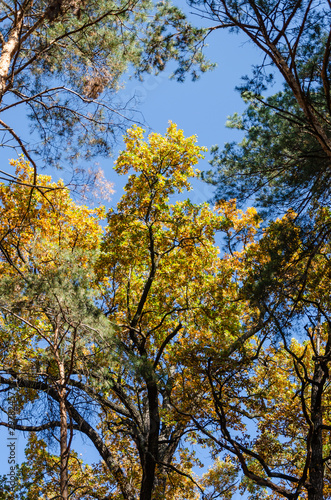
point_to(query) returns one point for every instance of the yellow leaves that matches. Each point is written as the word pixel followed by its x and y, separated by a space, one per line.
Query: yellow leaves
pixel 41 222
pixel 152 157
pixel 222 477
pixel 281 423
pixel 163 164
pixel 41 472
pixel 243 224
pixel 190 279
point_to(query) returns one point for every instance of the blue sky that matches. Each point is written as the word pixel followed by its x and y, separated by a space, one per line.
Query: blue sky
pixel 200 108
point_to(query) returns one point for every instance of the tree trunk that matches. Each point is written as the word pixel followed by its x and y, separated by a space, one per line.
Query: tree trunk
pixel 7 53
pixel 316 468
pixel 64 451
pixel 151 454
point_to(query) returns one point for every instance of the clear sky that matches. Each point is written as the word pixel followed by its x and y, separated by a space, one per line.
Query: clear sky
pixel 200 108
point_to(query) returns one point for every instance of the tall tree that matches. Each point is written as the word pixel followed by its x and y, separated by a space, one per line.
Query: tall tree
pixel 271 401
pixel 63 60
pixel 295 38
pixel 46 293
pixel 281 388
pixel 170 299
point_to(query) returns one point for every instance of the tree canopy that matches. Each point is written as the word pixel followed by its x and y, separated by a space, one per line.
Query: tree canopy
pixel 160 327
pixel 113 323
pixel 285 155
pixel 145 338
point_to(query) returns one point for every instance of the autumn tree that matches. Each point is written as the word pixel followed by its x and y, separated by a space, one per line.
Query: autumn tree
pixel 272 400
pixel 271 419
pixel 168 297
pixel 48 311
pixel 38 475
pixel 161 296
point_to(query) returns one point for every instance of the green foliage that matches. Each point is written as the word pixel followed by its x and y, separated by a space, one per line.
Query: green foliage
pixel 284 159
pixel 64 61
pixel 279 163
